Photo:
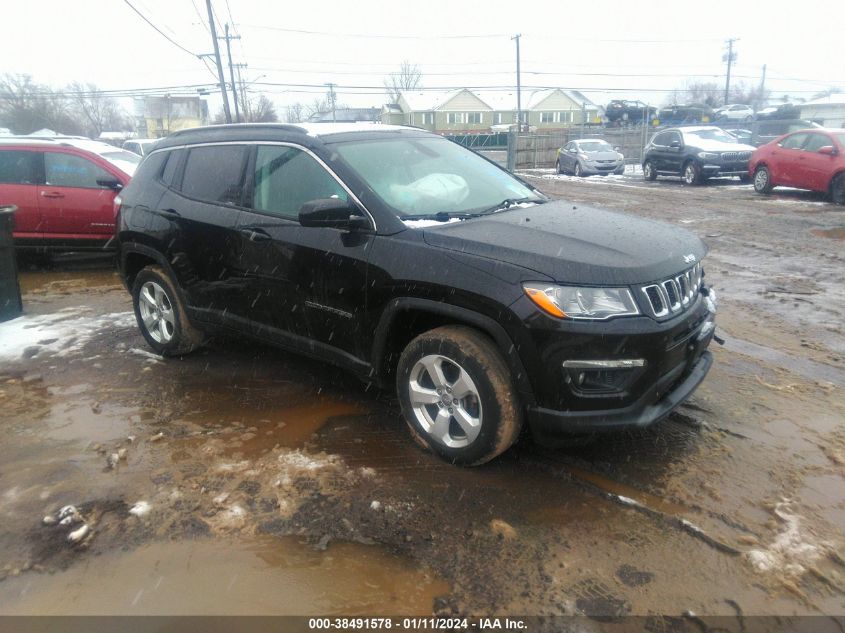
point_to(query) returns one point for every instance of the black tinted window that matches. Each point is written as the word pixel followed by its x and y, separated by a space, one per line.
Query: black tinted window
pixel 69 170
pixel 171 165
pixel 215 173
pixel 661 139
pixel 286 178
pixel 18 167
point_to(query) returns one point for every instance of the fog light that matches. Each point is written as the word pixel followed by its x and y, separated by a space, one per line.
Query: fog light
pixel 595 377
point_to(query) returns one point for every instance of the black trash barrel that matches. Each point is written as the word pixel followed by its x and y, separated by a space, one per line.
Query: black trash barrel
pixel 10 290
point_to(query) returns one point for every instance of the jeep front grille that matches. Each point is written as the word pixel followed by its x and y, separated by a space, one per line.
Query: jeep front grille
pixel 735 156
pixel 673 295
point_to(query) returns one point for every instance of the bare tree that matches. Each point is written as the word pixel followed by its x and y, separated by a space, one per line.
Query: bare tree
pixel 409 77
pixel 256 110
pixel 26 106
pixel 743 92
pixel 295 113
pixel 96 113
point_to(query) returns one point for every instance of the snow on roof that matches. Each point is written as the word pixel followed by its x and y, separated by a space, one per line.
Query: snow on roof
pixel 428 99
pixel 834 99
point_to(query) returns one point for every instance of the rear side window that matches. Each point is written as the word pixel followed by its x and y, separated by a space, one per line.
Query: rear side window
pixel 19 167
pixel 150 167
pixel 169 171
pixel 215 173
pixel 69 170
pixel 817 141
pixel 286 178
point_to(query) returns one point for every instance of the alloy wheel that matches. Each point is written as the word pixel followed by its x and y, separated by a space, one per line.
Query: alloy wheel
pixel 445 401
pixel 157 312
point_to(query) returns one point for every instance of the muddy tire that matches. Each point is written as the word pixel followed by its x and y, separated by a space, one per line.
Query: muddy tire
pixel 691 174
pixel 837 189
pixel 161 316
pixel 762 180
pixel 457 395
pixel 649 172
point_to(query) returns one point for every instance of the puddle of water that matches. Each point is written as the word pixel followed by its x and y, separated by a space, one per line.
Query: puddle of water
pixel 63 282
pixel 263 576
pixel 265 422
pixel 837 233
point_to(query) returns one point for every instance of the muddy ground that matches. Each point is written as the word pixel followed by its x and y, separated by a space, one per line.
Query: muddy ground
pixel 245 480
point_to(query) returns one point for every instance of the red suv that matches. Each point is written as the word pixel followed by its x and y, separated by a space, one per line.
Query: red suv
pixel 807 159
pixel 64 190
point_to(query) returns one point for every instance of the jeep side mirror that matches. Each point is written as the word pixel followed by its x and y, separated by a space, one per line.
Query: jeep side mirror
pixel 331 213
pixel 828 150
pixel 675 144
pixel 110 183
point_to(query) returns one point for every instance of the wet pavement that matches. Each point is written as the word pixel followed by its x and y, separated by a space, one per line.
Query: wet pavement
pixel 241 479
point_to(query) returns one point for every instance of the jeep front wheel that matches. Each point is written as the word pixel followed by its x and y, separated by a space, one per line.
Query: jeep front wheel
pixel 649 172
pixel 457 395
pixel 762 180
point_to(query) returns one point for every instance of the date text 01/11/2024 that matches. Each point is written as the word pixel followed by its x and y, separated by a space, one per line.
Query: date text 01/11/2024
pixel 416 624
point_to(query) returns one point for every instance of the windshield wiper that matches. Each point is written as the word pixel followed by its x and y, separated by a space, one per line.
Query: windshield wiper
pixel 445 216
pixel 507 203
pixel 440 216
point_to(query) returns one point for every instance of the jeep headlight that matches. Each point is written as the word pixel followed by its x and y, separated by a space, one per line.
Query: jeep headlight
pixel 572 302
pixel 708 156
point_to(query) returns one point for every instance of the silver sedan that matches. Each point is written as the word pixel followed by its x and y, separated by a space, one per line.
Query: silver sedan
pixel 587 157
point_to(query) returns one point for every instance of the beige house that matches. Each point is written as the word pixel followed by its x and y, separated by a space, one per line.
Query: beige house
pixel 464 110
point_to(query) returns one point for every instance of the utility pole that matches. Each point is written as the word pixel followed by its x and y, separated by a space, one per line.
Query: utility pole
pixel 761 95
pixel 730 58
pixel 220 76
pixel 228 38
pixel 518 86
pixel 244 104
pixel 331 100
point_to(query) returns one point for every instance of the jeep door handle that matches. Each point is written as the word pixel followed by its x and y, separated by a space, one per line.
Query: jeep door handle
pixel 52 194
pixel 170 213
pixel 256 234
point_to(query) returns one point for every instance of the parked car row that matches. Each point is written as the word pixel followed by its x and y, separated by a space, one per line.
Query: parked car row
pixel 812 159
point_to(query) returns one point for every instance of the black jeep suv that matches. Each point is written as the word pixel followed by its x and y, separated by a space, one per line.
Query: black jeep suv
pixel 414 262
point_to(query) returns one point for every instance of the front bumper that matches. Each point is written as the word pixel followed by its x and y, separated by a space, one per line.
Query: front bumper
pixel 547 425
pixel 674 359
pixel 593 169
pixel 733 169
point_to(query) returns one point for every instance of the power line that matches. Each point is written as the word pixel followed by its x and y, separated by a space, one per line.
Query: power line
pixel 162 33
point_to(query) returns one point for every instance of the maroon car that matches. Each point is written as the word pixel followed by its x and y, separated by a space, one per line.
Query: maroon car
pixel 64 190
pixel 807 159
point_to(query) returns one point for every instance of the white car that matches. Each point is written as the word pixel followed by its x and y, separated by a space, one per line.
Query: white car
pixel 735 112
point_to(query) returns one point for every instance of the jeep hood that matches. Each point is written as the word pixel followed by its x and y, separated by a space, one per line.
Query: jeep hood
pixel 574 244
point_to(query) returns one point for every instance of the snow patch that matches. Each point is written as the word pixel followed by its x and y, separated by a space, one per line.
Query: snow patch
pixel 419 224
pixel 142 508
pixel 792 550
pixel 58 334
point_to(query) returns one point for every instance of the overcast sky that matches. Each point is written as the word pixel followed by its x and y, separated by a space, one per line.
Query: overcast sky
pixel 643 50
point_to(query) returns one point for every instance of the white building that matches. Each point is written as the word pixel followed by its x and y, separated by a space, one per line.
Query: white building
pixel 828 111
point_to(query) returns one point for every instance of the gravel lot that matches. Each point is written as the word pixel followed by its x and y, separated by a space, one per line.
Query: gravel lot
pixel 245 480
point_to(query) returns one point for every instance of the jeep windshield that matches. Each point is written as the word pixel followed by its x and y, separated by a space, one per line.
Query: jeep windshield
pixel 433 178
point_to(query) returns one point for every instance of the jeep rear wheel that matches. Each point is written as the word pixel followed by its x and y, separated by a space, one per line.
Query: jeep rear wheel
pixel 692 173
pixel 649 173
pixel 457 395
pixel 160 314
pixel 762 180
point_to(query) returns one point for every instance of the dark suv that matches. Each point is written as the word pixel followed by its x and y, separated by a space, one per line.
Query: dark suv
pixel 696 154
pixel 415 262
